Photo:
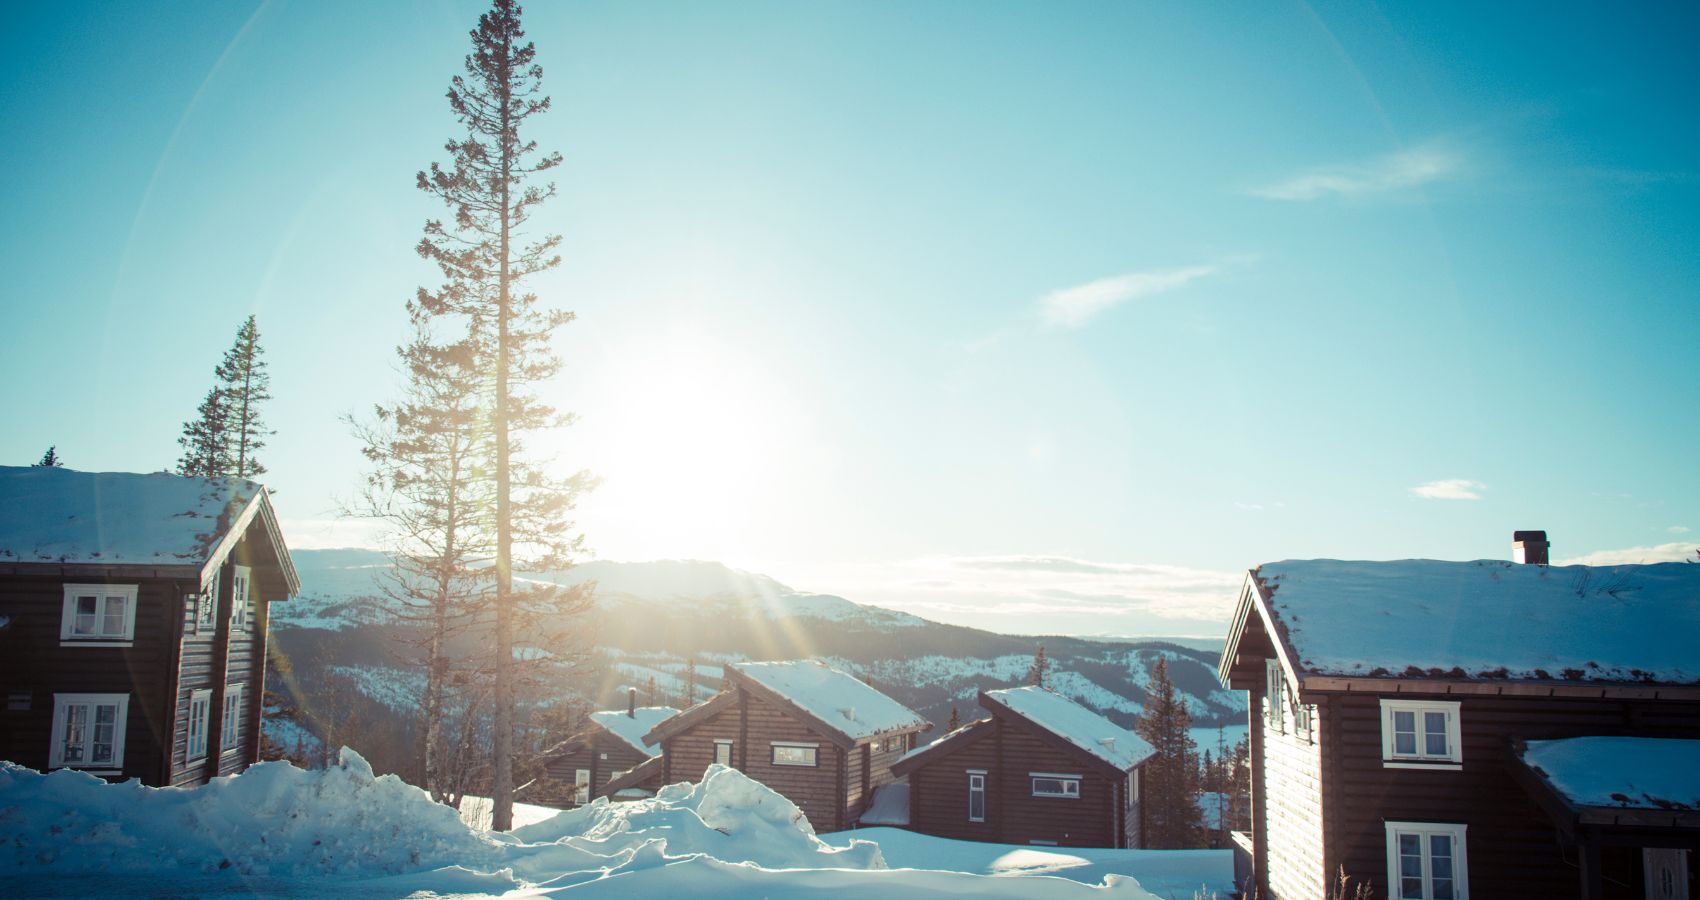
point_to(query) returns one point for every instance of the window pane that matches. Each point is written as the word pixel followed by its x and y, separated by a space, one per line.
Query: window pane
pixel 1411 866
pixel 1442 889
pixel 76 721
pixel 1440 845
pixel 114 625
pixel 1404 743
pixel 1441 866
pixel 1410 889
pixel 85 615
pixel 1434 730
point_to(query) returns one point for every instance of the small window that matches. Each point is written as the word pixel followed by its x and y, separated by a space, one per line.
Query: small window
pixel 1047 785
pixel 723 752
pixel 206 607
pixel 200 705
pixel 88 730
pixel 239 599
pixel 1275 695
pixel 976 796
pixel 581 786
pixel 230 732
pixel 1425 861
pixel 99 613
pixel 1420 732
pixel 794 754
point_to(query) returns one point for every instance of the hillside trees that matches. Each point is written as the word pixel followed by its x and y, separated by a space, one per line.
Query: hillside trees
pixel 228 431
pixel 50 459
pixel 1172 775
pixel 485 254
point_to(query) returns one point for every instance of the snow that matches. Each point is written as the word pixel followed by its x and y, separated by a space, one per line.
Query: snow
pixel 890 806
pixel 1648 773
pixel 632 728
pixel 836 698
pixel 341 831
pixel 52 514
pixel 1490 618
pixel 1076 724
pixel 477 811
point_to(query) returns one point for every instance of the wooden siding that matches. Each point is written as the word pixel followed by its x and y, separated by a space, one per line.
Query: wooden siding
pixel 938 792
pixel 1513 848
pixel 602 753
pixel 34 665
pixel 217 660
pixel 1292 815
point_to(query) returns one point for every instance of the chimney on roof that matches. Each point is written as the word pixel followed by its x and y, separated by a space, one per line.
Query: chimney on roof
pixel 1109 743
pixel 1529 547
pixel 631 703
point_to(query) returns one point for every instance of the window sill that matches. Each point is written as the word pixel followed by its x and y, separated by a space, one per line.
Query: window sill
pixel 1435 766
pixel 96 643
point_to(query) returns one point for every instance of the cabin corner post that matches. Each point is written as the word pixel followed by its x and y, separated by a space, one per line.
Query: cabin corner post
pixel 1592 879
pixel 743 755
pixel 174 684
pixel 1259 794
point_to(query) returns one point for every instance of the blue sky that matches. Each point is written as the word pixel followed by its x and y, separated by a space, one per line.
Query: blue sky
pixel 1047 317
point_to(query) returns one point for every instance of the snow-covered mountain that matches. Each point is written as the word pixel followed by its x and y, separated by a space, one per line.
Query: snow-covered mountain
pixel 652 617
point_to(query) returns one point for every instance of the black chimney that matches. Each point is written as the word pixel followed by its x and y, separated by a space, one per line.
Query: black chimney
pixel 1529 547
pixel 631 698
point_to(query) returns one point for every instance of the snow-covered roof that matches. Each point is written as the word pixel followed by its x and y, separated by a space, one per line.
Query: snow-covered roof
pixel 57 515
pixel 1076 724
pixel 962 733
pixel 1627 772
pixel 836 699
pixel 1488 618
pixel 631 728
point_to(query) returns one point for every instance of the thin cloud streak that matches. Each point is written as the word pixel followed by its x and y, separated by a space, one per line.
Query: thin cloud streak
pixel 1397 171
pixel 1450 489
pixel 1072 307
pixel 1677 552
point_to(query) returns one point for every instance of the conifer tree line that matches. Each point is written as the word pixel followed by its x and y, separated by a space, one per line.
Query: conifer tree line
pixel 1172 778
pixel 228 432
pixel 450 471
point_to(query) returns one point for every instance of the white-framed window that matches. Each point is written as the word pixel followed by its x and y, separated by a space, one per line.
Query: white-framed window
pixel 581 786
pixel 99 614
pixel 200 713
pixel 1275 695
pixel 1425 861
pixel 723 752
pixel 206 607
pixel 976 796
pixel 793 753
pixel 239 598
pixel 230 727
pixel 88 731
pixel 1050 784
pixel 1420 733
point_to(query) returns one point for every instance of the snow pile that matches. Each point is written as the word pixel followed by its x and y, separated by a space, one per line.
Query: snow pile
pixel 836 698
pixel 272 820
pixel 890 806
pixel 1489 619
pixel 632 727
pixel 51 514
pixel 279 830
pixel 1646 773
pixel 1076 724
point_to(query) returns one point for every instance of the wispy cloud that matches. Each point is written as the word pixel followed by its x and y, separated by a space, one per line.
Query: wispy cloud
pixel 332 534
pixel 1631 555
pixel 1678 529
pixel 1396 171
pixel 1450 489
pixel 1071 307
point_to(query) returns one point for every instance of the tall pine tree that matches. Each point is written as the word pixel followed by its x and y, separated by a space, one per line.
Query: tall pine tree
pixel 1173 819
pixel 490 187
pixel 242 373
pixel 206 439
pixel 1040 671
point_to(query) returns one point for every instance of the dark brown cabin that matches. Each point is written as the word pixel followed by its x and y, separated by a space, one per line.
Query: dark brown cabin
pixel 133 617
pixel 610 746
pixel 1391 703
pixel 818 736
pixel 1041 770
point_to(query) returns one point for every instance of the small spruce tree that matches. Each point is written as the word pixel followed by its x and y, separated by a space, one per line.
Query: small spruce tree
pixel 1041 668
pixel 651 698
pixel 691 682
pixel 206 439
pixel 955 721
pixel 50 459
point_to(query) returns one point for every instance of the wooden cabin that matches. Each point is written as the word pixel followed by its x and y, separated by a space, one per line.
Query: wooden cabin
pixel 133 616
pixel 610 746
pixel 818 736
pixel 1401 712
pixel 1041 770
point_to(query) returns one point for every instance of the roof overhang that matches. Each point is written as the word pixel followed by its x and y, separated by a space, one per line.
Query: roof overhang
pixel 683 721
pixel 258 507
pixel 636 777
pixel 964 736
pixel 1508 687
pixel 1253 615
pixel 1572 818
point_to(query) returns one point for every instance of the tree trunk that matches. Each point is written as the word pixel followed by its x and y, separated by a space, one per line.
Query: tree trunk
pixel 502 781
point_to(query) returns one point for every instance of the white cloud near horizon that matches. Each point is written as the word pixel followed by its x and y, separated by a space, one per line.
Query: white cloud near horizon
pixel 1678 529
pixel 1676 552
pixel 1403 170
pixel 1071 307
pixel 1450 489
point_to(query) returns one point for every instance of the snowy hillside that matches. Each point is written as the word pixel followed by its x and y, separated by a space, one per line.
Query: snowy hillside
pixel 652 618
pixel 340 831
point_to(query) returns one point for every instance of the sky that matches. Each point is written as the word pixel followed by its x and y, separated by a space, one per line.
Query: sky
pixel 1040 317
